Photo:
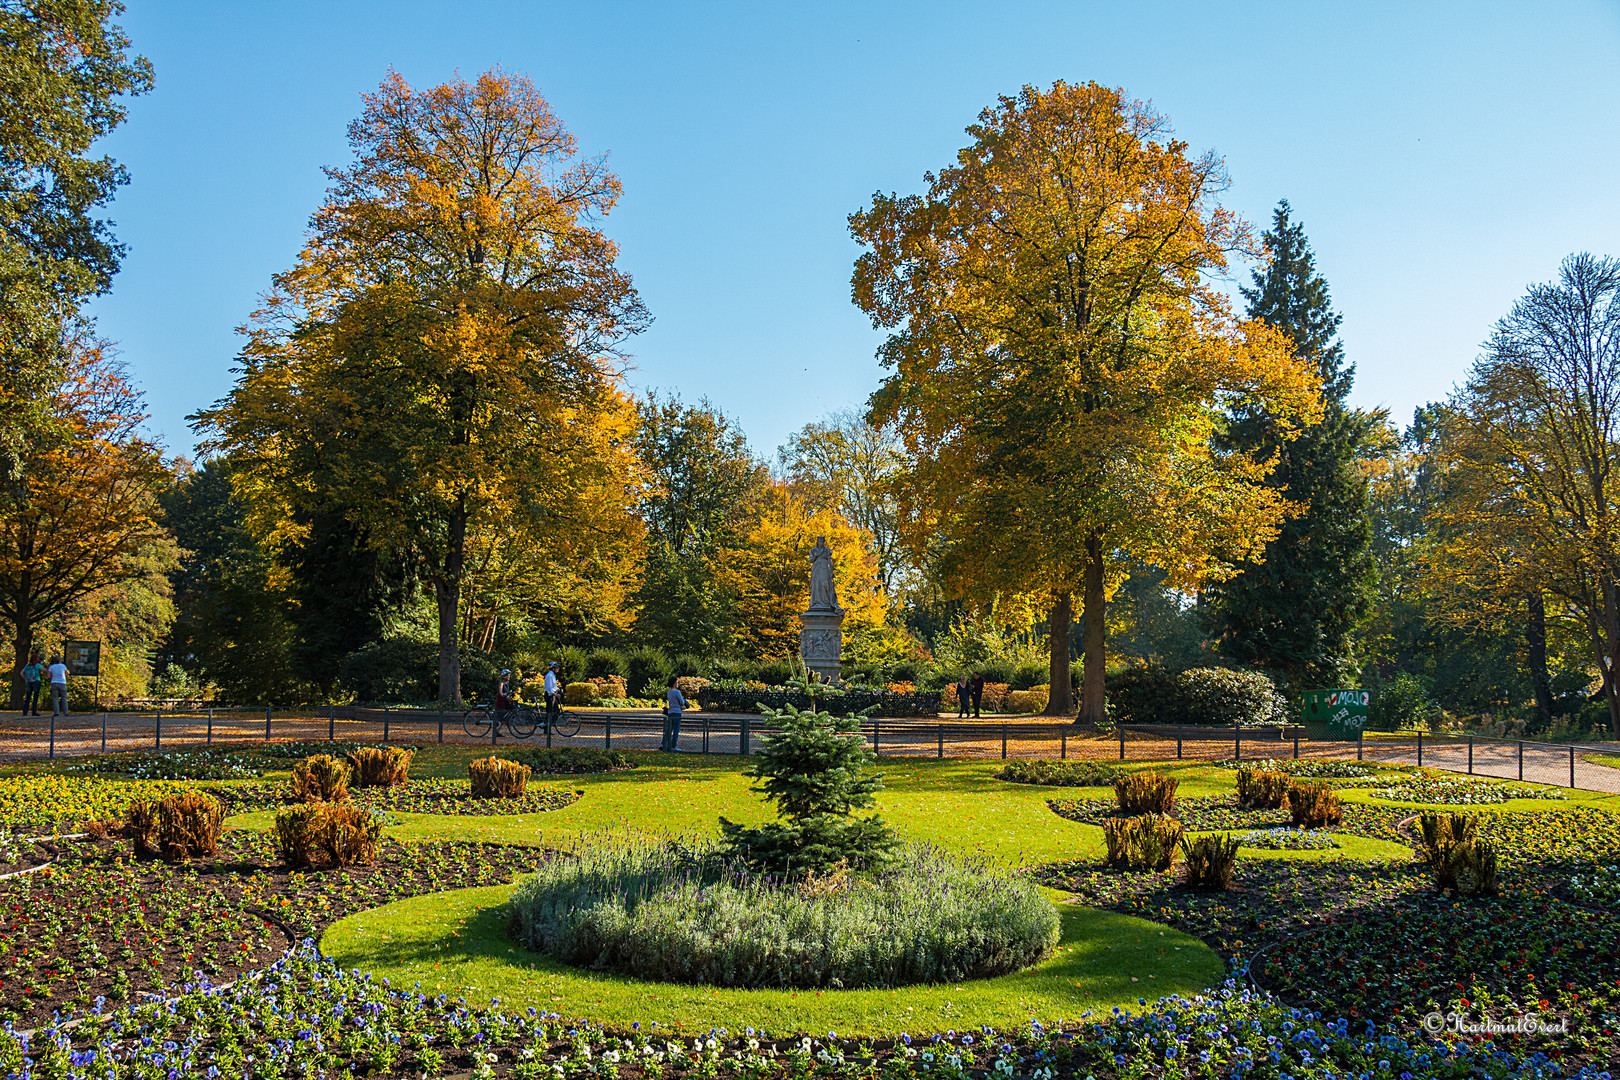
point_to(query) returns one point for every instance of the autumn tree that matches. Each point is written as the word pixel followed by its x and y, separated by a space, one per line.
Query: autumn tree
pixel 847 463
pixel 1062 361
pixel 1529 454
pixel 454 317
pixel 1296 611
pixel 64 69
pixel 768 573
pixel 81 520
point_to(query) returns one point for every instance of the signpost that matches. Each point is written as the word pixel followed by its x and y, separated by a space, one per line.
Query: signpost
pixel 83 658
pixel 1344 711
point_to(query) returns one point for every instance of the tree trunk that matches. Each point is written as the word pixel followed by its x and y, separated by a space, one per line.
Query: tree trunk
pixel 1535 636
pixel 1093 706
pixel 22 644
pixel 1060 696
pixel 447 593
pixel 1609 649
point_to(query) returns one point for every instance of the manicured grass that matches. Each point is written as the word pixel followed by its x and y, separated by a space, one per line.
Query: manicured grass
pixel 1610 760
pixel 456 943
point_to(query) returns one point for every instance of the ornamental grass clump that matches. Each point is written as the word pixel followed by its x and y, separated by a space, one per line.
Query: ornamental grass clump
pixel 177 827
pixel 1210 860
pixel 1314 806
pixel 1146 793
pixel 1440 831
pixel 323 836
pixel 1262 790
pixel 380 766
pixel 1143 842
pixel 1460 862
pixel 700 916
pixel 496 778
pixel 814 770
pixel 322 778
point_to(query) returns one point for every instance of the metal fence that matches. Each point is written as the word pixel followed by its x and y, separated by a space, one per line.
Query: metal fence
pixel 1022 738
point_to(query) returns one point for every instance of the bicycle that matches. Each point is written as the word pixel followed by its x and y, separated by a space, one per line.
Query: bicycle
pixel 482 720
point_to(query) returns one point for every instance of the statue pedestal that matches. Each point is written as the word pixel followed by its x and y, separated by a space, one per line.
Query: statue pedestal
pixel 821 642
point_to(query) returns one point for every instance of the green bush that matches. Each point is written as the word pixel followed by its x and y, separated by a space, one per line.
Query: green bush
pixel 1218 696
pixel 398 670
pixel 1145 842
pixel 814 769
pixel 673 915
pixel 687 664
pixel 1210 860
pixel 1403 702
pixel 1060 773
pixel 572 660
pixel 778 672
pixel 1145 793
pixel 601 663
pixel 1467 868
pixel 1027 675
pixel 735 669
pixel 650 671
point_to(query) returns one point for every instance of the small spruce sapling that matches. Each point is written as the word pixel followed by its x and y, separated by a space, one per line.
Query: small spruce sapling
pixel 814 770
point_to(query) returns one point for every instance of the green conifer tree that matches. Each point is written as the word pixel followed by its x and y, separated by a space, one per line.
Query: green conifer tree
pixel 1296 613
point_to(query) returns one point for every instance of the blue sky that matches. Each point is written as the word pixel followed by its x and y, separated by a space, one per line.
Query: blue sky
pixel 1441 157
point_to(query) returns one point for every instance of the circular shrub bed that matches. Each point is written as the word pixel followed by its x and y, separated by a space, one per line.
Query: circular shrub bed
pixel 677 915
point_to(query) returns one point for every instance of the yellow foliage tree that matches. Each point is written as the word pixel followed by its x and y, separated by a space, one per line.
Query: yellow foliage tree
pixel 1530 454
pixel 769 573
pixel 443 358
pixel 1062 361
pixel 81 523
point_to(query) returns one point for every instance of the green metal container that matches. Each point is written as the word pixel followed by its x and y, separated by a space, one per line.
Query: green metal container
pixel 1344 710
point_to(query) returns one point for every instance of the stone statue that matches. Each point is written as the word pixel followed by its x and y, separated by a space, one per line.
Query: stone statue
pixel 823 593
pixel 821 637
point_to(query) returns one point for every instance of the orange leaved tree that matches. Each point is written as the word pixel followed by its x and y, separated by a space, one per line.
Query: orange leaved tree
pixel 1062 360
pixel 82 517
pixel 452 324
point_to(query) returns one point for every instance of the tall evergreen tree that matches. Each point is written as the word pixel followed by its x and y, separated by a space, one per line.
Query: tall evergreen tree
pixel 1296 612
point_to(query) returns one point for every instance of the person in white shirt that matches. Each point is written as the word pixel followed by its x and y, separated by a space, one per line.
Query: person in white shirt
pixel 58 674
pixel 553 694
pixel 674 702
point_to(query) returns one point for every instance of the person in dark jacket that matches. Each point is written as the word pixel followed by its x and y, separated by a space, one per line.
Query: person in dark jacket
pixel 976 691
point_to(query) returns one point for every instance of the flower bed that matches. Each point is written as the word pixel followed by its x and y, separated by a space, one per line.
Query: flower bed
pixel 430 796
pixel 174 765
pixel 1221 813
pixel 1060 773
pixel 308 1017
pixel 100 924
pixel 743 697
pixel 1286 838
pixel 1456 791
pixel 658 913
pixel 41 804
pixel 1305 768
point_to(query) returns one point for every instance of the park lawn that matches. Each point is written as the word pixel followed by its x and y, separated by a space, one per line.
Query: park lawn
pixel 456 943
pixel 1610 760
pixel 956 804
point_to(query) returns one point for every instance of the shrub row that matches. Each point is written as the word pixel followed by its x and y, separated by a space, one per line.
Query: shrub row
pixel 731 697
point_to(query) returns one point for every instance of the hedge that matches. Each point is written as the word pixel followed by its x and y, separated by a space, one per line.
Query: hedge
pixel 732 697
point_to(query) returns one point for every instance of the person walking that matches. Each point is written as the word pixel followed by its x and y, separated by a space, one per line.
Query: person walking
pixel 961 697
pixel 30 675
pixel 58 675
pixel 976 691
pixel 674 703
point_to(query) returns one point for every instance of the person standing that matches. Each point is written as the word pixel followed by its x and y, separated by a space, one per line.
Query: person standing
pixel 58 675
pixel 961 696
pixel 553 693
pixel 30 675
pixel 674 703
pixel 976 691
